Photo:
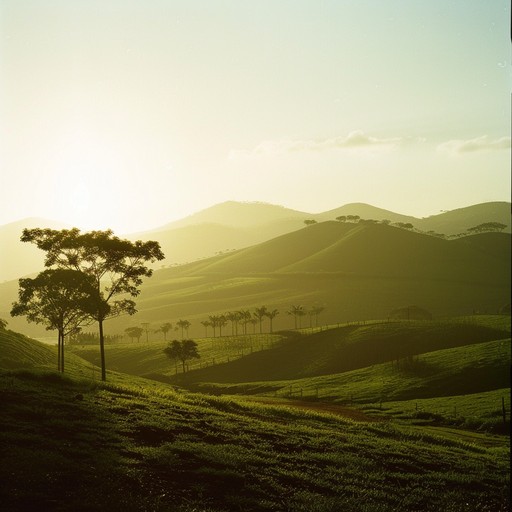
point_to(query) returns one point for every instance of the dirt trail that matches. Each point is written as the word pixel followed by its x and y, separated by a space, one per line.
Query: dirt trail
pixel 338 410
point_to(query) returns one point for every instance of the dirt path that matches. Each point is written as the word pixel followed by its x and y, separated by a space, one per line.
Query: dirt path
pixel 338 410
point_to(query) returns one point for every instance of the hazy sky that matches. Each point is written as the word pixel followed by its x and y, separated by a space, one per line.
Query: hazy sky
pixel 130 114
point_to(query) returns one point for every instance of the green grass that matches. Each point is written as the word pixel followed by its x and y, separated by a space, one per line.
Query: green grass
pixel 71 445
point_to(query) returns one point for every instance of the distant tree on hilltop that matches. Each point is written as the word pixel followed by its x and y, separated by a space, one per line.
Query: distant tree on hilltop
pixel 134 332
pixel 310 222
pixel 487 226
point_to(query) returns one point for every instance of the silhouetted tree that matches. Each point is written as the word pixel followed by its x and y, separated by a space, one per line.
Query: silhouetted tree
pixel 221 322
pixel 260 313
pixel 184 326
pixel 310 222
pixel 205 324
pixel 3 323
pixel 59 298
pixel 165 328
pixel 297 312
pixel 342 218
pixel 271 315
pixel 183 351
pixel 314 312
pixel 117 267
pixel 487 226
pixel 145 326
pixel 134 332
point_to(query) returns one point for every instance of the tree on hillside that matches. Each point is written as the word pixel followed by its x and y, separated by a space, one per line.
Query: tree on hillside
pixel 233 317
pixel 205 324
pixel 221 322
pixel 116 266
pixel 310 222
pixel 271 315
pixel 184 326
pixel 134 332
pixel 404 225
pixel 183 351
pixel 259 314
pixel 487 226
pixel 3 323
pixel 245 318
pixel 353 218
pixel 214 322
pixel 145 326
pixel 165 328
pixel 314 312
pixel 59 298
pixel 386 222
pixel 297 312
pixel 342 218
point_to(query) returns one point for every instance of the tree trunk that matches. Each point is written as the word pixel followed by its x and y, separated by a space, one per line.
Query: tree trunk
pixel 58 353
pixel 102 351
pixel 62 352
pixel 183 361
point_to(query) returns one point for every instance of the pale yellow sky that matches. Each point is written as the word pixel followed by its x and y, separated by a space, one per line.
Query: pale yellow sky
pixel 130 114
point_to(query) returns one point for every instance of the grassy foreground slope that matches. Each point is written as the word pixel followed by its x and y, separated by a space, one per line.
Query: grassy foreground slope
pixel 70 445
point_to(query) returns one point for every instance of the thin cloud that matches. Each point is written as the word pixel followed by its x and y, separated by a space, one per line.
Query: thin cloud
pixel 483 143
pixel 354 140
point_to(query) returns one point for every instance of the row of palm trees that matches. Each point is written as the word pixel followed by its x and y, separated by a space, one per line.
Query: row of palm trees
pixel 237 322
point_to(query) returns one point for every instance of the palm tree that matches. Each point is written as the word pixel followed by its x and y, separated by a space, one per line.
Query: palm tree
pixel 221 322
pixel 205 324
pixel 271 315
pixel 297 312
pixel 214 322
pixel 315 311
pixel 165 328
pixel 245 318
pixel 259 313
pixel 183 325
pixel 232 316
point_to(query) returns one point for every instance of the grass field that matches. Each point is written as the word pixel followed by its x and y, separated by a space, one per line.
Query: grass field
pixel 417 436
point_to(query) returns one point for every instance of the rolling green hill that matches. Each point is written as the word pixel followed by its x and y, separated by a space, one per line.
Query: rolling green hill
pixel 71 444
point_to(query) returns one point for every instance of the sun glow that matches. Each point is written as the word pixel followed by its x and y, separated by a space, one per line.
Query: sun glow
pixel 83 181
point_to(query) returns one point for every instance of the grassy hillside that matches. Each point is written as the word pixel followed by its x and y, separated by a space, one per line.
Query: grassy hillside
pixel 70 445
pixel 347 348
pixel 456 371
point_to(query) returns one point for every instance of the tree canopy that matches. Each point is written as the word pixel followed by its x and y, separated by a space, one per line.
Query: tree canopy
pixel 115 265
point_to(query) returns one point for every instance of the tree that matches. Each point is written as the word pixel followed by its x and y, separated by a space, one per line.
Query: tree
pixel 145 326
pixel 184 326
pixel 183 351
pixel 259 314
pixel 60 298
pixel 165 328
pixel 487 226
pixel 310 222
pixel 342 218
pixel 117 267
pixel 221 322
pixel 205 324
pixel 3 323
pixel 245 317
pixel 134 332
pixel 233 317
pixel 271 315
pixel 297 312
pixel 315 311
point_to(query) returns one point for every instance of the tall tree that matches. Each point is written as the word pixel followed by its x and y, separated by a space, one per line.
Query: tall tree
pixel 297 312
pixel 259 314
pixel 165 328
pixel 271 315
pixel 183 351
pixel 145 326
pixel 205 324
pixel 314 312
pixel 117 267
pixel 59 298
pixel 3 323
pixel 184 326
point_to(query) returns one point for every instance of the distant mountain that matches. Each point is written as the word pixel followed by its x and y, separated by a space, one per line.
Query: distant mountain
pixel 235 225
pixel 461 219
pixel 17 258
pixel 239 214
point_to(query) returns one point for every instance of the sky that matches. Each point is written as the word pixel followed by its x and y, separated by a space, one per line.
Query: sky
pixel 129 114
